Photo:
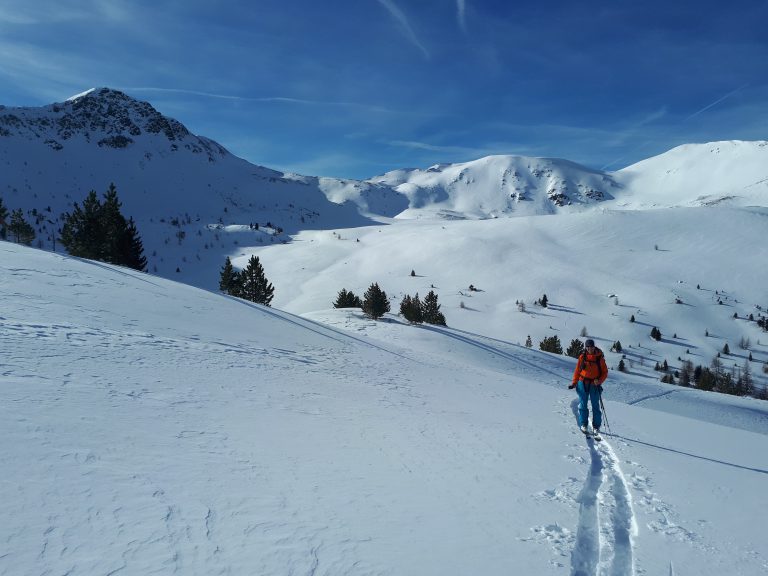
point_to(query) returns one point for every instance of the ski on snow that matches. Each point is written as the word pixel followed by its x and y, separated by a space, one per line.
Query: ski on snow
pixel 592 434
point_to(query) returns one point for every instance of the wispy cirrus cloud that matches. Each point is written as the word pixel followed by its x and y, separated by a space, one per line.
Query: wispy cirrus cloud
pixel 461 14
pixel 52 11
pixel 402 19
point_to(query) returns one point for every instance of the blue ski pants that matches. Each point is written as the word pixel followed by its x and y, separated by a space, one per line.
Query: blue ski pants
pixel 589 393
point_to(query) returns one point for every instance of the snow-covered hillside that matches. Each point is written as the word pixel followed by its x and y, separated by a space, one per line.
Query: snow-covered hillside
pixel 193 201
pixel 687 271
pixel 153 428
pixel 729 173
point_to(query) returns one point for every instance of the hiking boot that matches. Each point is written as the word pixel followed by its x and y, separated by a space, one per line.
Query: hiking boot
pixel 584 429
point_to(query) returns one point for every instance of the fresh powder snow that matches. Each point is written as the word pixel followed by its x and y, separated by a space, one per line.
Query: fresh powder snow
pixel 154 428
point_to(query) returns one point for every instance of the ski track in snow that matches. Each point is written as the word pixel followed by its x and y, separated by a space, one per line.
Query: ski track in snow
pixel 606 526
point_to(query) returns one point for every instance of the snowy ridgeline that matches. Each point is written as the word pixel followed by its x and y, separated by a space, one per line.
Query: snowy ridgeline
pixel 150 427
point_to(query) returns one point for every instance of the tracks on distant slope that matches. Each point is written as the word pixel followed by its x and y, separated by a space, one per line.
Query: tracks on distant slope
pixel 606 520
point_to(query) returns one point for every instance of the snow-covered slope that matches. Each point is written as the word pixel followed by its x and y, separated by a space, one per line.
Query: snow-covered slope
pixel 667 268
pixel 152 428
pixel 193 201
pixel 731 173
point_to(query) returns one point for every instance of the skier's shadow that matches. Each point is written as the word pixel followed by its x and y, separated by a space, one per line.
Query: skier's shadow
pixel 575 409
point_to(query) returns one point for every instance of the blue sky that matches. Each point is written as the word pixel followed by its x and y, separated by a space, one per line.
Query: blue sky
pixel 354 88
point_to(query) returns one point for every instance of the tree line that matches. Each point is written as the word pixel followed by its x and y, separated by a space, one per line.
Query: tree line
pixel 97 230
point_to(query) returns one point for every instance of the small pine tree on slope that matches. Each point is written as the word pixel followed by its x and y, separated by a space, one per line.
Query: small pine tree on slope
pixel 375 302
pixel 229 280
pixel 255 286
pixel 575 349
pixel 431 310
pixel 21 230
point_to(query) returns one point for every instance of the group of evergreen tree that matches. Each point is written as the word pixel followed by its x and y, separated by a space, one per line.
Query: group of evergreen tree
pixel 412 309
pixel 375 304
pixel 347 300
pixel 416 311
pixel 714 378
pixel 98 231
pixel 20 231
pixel 249 284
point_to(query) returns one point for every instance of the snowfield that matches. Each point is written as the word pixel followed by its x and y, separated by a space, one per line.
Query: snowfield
pixel 154 428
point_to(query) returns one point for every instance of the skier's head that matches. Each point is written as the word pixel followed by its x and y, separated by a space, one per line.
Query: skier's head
pixel 589 343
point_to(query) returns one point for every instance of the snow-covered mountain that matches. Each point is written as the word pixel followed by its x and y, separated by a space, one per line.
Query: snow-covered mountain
pixel 176 184
pixel 731 173
pixel 153 428
pixel 183 190
pixel 498 186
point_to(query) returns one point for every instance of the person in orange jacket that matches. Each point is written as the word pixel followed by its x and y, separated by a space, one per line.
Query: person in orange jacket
pixel 588 377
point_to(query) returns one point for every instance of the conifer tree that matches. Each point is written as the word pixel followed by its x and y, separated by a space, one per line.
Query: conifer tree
pixel 551 344
pixel 411 309
pixel 113 226
pixel 686 373
pixel 432 314
pixel 229 280
pixel 132 248
pixel 254 284
pixel 81 233
pixel 575 349
pixel 346 299
pixel 375 302
pixel 21 231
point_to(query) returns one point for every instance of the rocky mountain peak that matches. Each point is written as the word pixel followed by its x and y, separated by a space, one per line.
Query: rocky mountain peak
pixel 109 117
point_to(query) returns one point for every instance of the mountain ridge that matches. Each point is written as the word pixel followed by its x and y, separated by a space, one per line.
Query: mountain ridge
pixel 195 203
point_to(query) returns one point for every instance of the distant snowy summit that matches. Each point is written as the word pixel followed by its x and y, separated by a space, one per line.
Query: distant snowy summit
pixel 732 173
pixel 106 118
pixel 499 185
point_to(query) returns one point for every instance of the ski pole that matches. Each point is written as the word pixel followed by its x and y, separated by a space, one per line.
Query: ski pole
pixel 605 415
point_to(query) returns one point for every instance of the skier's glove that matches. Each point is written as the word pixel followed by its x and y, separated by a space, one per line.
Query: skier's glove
pixel 572 386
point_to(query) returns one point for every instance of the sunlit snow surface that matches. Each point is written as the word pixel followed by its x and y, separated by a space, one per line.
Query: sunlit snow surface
pixel 152 428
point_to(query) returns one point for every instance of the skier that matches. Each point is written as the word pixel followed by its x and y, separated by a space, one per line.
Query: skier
pixel 588 377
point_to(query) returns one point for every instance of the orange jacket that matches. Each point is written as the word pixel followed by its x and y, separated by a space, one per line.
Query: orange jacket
pixel 591 367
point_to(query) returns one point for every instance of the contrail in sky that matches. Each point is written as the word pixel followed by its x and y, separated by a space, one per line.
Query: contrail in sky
pixel 400 16
pixel 283 99
pixel 739 89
